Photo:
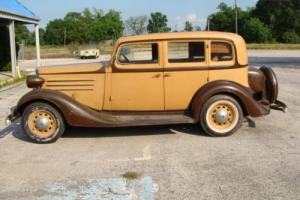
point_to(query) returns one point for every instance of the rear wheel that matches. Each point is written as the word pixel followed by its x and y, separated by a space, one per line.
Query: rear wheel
pixel 42 123
pixel 221 116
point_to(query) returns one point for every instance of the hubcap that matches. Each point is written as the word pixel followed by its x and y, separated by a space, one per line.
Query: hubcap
pixel 42 123
pixel 222 116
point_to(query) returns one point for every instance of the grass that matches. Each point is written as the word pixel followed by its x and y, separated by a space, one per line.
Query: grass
pixel 275 46
pixel 12 81
pixel 69 51
pixel 131 175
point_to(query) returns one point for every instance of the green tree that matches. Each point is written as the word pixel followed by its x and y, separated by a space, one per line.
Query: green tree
pixel 188 26
pixel 251 28
pixel 291 37
pixel 281 16
pixel 158 23
pixel 255 31
pixel 22 34
pixel 55 32
pixel 87 26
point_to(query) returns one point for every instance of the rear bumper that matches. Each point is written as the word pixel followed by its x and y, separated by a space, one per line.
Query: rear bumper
pixel 279 105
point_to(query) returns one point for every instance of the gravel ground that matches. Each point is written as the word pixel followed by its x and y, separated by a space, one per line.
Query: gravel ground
pixel 180 162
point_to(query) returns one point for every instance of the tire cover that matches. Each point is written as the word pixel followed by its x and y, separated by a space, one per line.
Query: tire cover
pixel 271 84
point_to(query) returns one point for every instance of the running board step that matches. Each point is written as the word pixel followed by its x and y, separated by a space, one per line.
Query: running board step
pixel 122 120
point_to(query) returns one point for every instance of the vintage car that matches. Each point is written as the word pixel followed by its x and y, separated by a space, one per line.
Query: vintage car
pixel 170 78
pixel 89 53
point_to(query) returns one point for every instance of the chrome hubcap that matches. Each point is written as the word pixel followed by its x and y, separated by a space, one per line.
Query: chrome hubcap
pixel 42 123
pixel 222 116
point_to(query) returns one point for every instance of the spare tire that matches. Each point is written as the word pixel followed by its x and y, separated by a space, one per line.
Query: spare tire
pixel 271 84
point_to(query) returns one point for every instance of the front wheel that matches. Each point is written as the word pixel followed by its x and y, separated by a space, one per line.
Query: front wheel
pixel 42 123
pixel 221 116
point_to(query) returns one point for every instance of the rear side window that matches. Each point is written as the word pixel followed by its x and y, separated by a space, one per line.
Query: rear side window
pixel 221 51
pixel 138 54
pixel 182 52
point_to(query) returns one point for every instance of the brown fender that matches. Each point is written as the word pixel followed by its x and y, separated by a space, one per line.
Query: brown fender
pixel 242 94
pixel 271 83
pixel 74 113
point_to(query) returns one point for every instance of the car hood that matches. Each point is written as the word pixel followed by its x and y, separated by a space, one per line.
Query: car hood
pixel 73 68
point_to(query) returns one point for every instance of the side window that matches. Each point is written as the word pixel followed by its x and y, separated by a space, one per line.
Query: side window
pixel 181 52
pixel 221 51
pixel 138 54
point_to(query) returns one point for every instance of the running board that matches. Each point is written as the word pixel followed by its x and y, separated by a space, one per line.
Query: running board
pixel 110 119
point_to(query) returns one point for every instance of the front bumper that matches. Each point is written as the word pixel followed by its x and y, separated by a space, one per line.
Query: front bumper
pixel 279 105
pixel 13 115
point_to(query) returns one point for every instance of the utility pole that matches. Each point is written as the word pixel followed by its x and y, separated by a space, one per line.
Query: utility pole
pixel 236 18
pixel 65 36
pixel 208 23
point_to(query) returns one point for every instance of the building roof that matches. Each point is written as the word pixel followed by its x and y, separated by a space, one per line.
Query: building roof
pixel 14 10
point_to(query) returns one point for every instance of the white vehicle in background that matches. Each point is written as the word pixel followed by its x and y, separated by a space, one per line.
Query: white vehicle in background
pixel 89 53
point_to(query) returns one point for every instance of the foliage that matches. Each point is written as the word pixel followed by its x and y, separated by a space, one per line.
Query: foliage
pixel 85 27
pixel 136 25
pixel 255 31
pixel 198 28
pixel 158 23
pixel 12 81
pixel 252 29
pixel 188 26
pixel 22 34
pixel 269 21
pixel 281 16
pixel 291 37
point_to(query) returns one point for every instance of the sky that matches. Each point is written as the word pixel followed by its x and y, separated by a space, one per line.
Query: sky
pixel 177 11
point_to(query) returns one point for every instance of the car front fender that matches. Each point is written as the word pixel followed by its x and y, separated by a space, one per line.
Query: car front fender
pixel 75 113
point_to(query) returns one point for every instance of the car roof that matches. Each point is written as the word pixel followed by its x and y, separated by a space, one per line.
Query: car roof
pixel 180 35
pixel 238 41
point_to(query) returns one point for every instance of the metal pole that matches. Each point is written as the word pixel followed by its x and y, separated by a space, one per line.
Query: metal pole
pixel 13 55
pixel 236 18
pixel 37 45
pixel 208 24
pixel 65 36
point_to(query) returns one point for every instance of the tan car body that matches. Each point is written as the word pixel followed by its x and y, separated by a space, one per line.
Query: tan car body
pixel 134 88
pixel 207 80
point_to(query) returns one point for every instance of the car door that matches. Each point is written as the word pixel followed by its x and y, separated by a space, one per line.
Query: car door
pixel 185 71
pixel 137 78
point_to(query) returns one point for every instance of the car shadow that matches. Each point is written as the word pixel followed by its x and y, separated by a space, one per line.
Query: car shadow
pixel 16 130
pixel 78 132
pixel 75 132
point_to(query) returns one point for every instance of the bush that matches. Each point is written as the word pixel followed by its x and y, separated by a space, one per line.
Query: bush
pixel 291 37
pixel 254 31
pixel 5 68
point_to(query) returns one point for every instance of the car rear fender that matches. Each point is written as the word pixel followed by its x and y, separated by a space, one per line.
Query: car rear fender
pixel 239 92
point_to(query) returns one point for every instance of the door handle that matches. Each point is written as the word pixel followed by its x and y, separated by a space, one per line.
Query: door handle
pixel 156 76
pixel 166 75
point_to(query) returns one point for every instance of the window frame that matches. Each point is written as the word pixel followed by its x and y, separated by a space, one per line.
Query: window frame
pixel 185 64
pixel 222 63
pixel 129 66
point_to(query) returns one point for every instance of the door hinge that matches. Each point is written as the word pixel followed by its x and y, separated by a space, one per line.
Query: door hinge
pixel 110 98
